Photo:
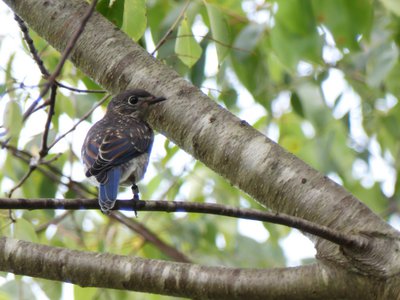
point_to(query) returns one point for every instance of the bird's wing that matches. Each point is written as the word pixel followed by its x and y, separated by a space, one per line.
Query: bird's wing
pixel 116 148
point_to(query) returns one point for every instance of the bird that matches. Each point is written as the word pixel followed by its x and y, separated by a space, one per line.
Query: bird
pixel 116 149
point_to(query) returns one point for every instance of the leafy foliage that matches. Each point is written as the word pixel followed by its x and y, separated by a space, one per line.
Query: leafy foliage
pixel 320 77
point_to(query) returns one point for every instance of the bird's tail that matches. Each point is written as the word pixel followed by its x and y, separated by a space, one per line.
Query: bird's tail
pixel 109 190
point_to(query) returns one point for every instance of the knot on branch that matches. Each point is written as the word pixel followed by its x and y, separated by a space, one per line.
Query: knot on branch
pixel 379 257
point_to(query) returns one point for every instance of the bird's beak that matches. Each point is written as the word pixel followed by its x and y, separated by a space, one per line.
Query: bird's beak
pixel 155 100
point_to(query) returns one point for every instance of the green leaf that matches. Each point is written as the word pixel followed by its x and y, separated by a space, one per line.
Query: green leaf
pixel 229 97
pixel 9 78
pixel 219 30
pixel 347 20
pixel 52 289
pixel 381 61
pixel 13 168
pixel 23 230
pixel 16 288
pixel 294 36
pixel 392 5
pixel 313 105
pixel 392 80
pixel 13 120
pixel 247 40
pixel 85 292
pixel 197 75
pixel 112 10
pixel 47 187
pixel 186 47
pixel 135 19
pixel 296 104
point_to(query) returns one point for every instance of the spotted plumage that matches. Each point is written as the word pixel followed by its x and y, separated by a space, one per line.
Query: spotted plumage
pixel 116 149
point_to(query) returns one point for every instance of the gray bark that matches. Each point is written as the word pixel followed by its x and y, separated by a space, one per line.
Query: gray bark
pixel 232 148
pixel 179 279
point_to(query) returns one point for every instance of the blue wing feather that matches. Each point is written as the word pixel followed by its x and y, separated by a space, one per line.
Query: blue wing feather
pixel 108 191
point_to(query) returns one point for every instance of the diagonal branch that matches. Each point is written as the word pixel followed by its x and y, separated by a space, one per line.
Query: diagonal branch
pixel 52 102
pixel 31 46
pixel 171 29
pixel 151 237
pixel 67 51
pixel 39 61
pixel 50 171
pixel 83 118
pixel 21 182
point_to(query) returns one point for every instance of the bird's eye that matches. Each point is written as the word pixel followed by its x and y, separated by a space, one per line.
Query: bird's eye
pixel 132 100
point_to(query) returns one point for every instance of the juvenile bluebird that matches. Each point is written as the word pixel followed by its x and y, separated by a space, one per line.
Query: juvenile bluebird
pixel 116 149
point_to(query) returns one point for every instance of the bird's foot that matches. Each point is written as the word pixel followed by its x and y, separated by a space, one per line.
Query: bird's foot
pixel 135 199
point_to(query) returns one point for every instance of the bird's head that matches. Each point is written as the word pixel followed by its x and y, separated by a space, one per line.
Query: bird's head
pixel 134 103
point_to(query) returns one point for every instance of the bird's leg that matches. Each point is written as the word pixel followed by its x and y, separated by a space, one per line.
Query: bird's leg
pixel 135 191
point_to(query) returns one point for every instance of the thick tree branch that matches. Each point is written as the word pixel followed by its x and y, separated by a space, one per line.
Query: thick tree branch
pixel 179 279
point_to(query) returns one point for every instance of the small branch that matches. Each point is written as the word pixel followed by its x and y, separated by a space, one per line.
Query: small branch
pixel 43 105
pixel 51 172
pixel 171 29
pixel 54 221
pixel 49 161
pixel 31 46
pixel 61 85
pixel 44 150
pixel 207 37
pixel 22 181
pixel 84 117
pixel 67 51
pixel 150 237
pixel 345 240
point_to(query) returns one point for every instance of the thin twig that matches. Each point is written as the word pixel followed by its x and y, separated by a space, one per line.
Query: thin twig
pixel 22 181
pixel 62 85
pixel 346 240
pixel 49 161
pixel 171 29
pixel 207 37
pixel 44 149
pixel 31 46
pixel 51 172
pixel 84 117
pixel 54 221
pixel 21 86
pixel 151 237
pixel 43 105
pixel 67 51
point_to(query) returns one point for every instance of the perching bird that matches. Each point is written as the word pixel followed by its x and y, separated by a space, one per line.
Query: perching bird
pixel 116 149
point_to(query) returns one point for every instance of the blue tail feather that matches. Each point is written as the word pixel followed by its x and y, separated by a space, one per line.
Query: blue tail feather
pixel 108 191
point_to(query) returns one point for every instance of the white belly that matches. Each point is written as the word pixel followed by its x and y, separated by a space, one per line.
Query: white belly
pixel 136 167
